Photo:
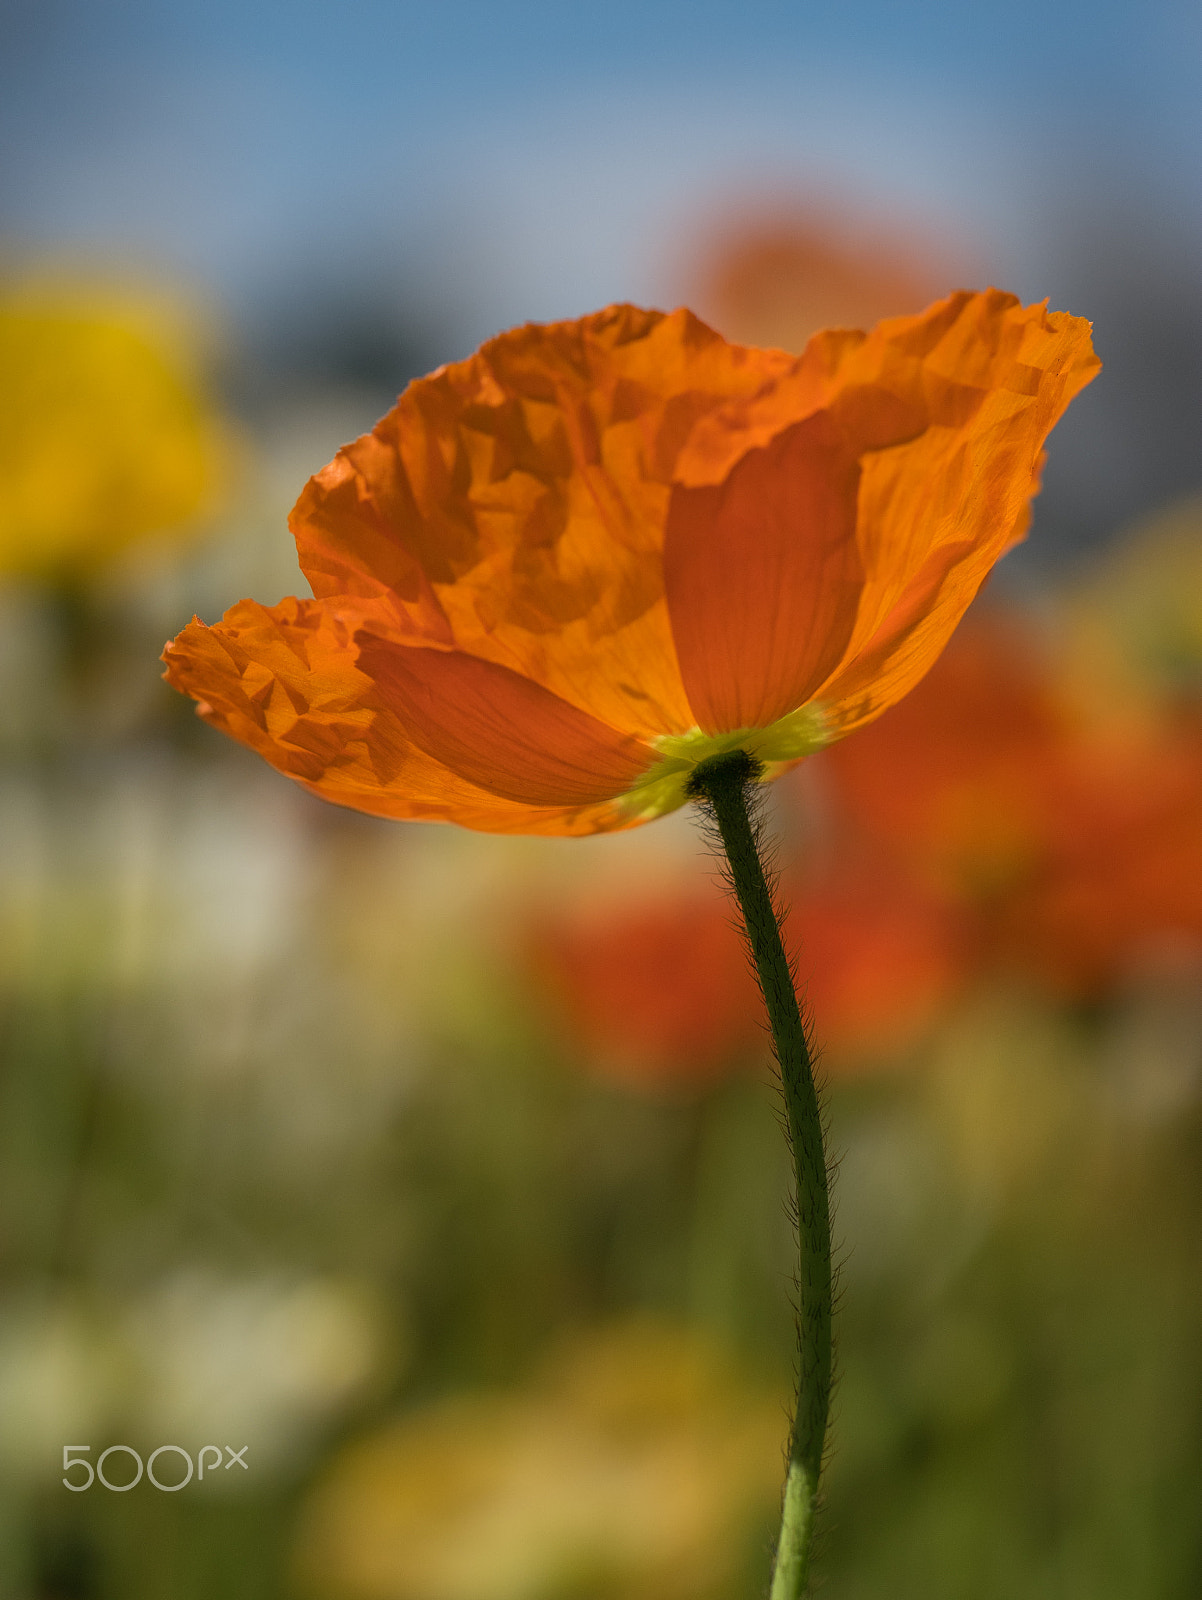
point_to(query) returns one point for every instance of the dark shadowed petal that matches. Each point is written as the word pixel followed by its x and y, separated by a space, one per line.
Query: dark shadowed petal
pixel 285 680
pixel 763 576
pixel 500 731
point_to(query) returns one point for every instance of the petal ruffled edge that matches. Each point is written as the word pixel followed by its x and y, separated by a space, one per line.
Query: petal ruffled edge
pixel 287 682
pixel 947 413
pixel 512 505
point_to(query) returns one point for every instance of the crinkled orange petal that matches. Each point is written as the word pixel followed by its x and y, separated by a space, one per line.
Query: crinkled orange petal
pixel 948 412
pixel 285 680
pixel 512 506
pixel 594 533
pixel 913 633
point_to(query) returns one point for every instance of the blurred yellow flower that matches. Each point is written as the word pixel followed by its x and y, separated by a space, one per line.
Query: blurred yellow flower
pixel 105 436
pixel 639 1468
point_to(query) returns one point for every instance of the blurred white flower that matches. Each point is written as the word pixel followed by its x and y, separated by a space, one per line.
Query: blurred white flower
pixel 60 1381
pixel 259 1362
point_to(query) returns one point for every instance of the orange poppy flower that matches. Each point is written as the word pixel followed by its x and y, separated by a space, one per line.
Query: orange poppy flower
pixel 560 573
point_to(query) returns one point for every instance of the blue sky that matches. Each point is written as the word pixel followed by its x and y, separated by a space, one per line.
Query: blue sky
pixel 537 158
pixel 470 164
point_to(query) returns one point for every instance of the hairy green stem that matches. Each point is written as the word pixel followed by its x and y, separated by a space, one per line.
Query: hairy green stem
pixel 723 784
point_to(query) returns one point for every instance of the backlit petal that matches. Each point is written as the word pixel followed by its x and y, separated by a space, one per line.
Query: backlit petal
pixel 996 377
pixel 513 505
pixel 763 577
pixel 501 731
pixel 285 680
pixel 946 413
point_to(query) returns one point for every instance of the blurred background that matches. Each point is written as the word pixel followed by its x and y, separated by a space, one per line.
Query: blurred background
pixel 444 1172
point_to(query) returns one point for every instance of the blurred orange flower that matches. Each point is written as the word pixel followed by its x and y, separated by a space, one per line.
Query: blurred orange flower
pixel 658 994
pixel 953 782
pixel 882 957
pixel 778 277
pixel 656 989
pixel 1076 845
pixel 559 574
pixel 1118 881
